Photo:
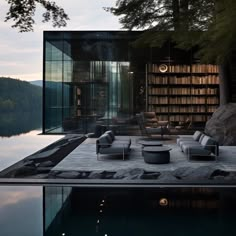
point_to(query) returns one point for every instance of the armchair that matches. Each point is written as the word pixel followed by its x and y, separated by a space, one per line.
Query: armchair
pixel 149 124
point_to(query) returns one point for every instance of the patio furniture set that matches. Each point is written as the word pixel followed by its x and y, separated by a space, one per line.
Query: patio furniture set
pixel 154 152
pixel 198 145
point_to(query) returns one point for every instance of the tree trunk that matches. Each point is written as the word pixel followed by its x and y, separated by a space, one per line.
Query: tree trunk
pixel 224 74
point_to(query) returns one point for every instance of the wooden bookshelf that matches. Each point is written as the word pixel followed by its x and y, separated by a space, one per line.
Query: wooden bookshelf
pixel 180 92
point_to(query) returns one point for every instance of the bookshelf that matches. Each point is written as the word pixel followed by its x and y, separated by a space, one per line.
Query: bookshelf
pixel 180 92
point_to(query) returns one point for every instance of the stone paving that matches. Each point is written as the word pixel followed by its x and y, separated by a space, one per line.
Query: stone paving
pixel 84 158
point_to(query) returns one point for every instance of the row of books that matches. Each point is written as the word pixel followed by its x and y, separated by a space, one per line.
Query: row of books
pixel 183 100
pixel 212 100
pixel 193 118
pixel 195 68
pixel 204 91
pixel 212 108
pixel 182 118
pixel 205 68
pixel 182 109
pixel 182 91
pixel 209 79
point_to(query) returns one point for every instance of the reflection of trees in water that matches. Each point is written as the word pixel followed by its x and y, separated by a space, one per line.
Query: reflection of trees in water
pixel 16 123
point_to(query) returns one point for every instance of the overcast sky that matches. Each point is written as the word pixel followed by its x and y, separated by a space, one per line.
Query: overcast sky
pixel 21 53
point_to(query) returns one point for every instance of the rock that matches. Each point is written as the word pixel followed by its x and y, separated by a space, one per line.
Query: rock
pixel 46 164
pixel 135 173
pixel 84 175
pixel 68 175
pixel 25 171
pixel 202 172
pixel 182 172
pixel 222 125
pixel 38 176
pixel 167 177
pixel 44 154
pixel 221 173
pixel 154 175
pixel 108 175
pixel 29 163
pixel 95 175
pixel 43 169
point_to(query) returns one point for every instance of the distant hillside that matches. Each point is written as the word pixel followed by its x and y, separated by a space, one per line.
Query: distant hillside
pixel 37 82
pixel 17 95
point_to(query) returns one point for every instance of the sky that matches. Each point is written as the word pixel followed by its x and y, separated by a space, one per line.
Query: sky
pixel 21 54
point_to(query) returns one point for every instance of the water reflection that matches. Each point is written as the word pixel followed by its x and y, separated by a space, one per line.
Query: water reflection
pixel 189 211
pixel 15 148
pixel 15 123
pixel 21 211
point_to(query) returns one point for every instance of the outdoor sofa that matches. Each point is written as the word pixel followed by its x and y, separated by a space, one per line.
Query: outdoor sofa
pixel 109 144
pixel 199 144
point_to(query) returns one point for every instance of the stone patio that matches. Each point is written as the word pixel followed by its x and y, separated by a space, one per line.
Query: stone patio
pixel 84 158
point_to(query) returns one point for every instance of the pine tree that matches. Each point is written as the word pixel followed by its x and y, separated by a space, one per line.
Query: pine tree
pixel 209 24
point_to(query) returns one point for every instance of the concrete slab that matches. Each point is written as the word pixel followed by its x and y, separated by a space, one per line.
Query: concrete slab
pixel 84 158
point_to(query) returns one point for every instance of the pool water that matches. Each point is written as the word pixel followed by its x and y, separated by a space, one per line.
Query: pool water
pixel 73 211
pixel 159 211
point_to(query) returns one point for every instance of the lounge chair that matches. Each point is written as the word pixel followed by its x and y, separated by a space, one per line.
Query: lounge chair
pixel 150 126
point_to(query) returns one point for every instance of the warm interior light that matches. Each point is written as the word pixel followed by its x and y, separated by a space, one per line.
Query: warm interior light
pixel 163 202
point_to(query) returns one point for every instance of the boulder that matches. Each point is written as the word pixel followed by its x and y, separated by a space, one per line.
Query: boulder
pixel 46 164
pixel 68 175
pixel 222 125
pixel 135 173
pixel 152 175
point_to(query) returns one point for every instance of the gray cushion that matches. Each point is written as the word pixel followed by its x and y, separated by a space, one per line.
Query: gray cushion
pixel 201 137
pixel 189 143
pixel 184 139
pixel 120 141
pixel 195 150
pixel 111 134
pixel 209 143
pixel 104 140
pixel 197 135
pixel 115 149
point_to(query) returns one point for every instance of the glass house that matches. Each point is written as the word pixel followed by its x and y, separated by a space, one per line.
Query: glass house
pixel 98 80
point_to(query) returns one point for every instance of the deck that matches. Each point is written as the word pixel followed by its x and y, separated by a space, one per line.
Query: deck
pixel 84 158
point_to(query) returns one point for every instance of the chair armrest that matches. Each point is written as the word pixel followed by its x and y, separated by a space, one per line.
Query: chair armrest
pixel 212 149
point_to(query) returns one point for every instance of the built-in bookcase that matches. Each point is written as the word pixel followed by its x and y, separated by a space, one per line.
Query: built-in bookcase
pixel 180 92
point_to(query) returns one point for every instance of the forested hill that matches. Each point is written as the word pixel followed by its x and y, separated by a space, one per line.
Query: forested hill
pixel 17 95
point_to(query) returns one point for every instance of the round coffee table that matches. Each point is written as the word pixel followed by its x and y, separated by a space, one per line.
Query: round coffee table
pixel 156 155
pixel 146 143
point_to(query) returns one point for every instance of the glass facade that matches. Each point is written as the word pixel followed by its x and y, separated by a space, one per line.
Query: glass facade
pixel 99 80
pixel 89 81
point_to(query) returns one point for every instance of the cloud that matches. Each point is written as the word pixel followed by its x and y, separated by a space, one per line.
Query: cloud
pixel 21 53
pixel 25 76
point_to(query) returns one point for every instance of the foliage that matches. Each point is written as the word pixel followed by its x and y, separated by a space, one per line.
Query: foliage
pixel 22 13
pixel 16 95
pixel 209 24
